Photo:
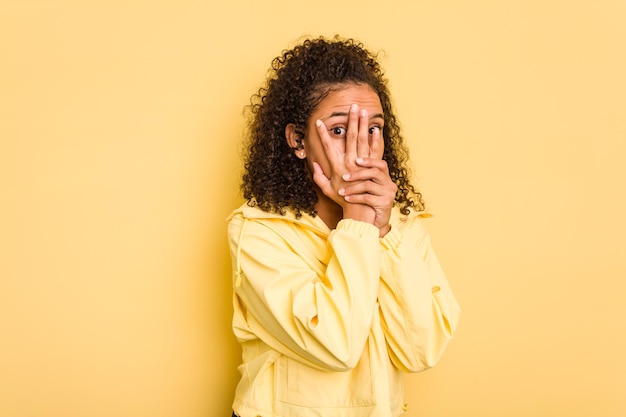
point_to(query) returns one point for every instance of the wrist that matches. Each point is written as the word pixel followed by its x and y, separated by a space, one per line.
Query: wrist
pixel 360 212
pixel 384 230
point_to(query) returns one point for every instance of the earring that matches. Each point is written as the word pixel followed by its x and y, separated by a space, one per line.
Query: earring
pixel 302 153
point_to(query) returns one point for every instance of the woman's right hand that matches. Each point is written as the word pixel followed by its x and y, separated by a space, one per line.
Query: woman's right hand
pixel 357 146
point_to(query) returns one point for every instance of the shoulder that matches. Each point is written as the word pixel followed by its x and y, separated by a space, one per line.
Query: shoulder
pixel 249 219
pixel 247 211
pixel 411 227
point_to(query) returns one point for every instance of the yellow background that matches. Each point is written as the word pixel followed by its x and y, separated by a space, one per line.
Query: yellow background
pixel 120 125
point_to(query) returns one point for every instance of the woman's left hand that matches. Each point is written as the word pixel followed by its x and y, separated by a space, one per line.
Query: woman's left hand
pixel 372 185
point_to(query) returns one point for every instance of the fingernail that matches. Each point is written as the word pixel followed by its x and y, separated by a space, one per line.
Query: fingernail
pixel 358 161
pixel 346 176
pixel 353 107
pixel 318 123
pixel 363 112
pixel 342 191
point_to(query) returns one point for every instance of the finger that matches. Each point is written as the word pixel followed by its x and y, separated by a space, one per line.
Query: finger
pixel 368 187
pixel 373 163
pixel 377 144
pixel 331 153
pixel 380 203
pixel 366 174
pixel 320 178
pixel 377 202
pixel 361 187
pixel 372 168
pixel 363 146
pixel 351 136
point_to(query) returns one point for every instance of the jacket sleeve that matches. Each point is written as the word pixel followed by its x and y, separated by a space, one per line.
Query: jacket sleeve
pixel 419 313
pixel 321 318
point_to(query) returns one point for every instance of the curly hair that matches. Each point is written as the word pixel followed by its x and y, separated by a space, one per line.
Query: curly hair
pixel 299 79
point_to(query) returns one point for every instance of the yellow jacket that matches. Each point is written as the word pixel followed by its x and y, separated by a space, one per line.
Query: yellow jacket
pixel 329 320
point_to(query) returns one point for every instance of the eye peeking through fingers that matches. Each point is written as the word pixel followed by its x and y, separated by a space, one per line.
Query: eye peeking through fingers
pixel 374 129
pixel 338 131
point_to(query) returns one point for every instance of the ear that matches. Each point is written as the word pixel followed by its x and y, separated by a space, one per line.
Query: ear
pixel 295 138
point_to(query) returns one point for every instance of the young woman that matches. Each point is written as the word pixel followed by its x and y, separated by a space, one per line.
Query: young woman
pixel 337 291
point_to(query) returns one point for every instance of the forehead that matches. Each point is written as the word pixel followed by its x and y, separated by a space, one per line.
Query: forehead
pixel 343 96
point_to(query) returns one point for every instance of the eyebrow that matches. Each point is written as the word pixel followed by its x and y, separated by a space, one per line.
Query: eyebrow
pixel 343 113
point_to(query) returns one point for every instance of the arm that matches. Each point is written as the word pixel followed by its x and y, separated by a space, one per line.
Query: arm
pixel 418 310
pixel 316 314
